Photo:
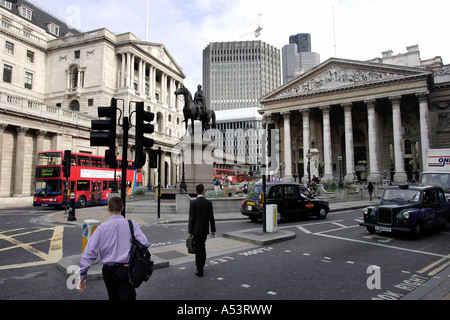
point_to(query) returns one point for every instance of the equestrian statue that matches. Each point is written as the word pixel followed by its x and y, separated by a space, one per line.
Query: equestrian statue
pixel 195 109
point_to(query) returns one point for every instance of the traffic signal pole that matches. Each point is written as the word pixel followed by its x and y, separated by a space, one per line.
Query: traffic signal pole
pixel 126 128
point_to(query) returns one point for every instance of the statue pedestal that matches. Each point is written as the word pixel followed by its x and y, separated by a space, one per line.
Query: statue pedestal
pixel 198 161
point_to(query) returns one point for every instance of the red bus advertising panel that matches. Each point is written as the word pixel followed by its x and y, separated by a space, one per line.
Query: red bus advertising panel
pixel 90 179
pixel 231 174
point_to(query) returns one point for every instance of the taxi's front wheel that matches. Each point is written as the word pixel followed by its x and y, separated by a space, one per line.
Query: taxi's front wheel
pixel 322 214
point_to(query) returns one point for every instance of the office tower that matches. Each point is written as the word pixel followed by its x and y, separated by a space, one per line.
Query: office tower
pixel 302 40
pixel 297 56
pixel 237 74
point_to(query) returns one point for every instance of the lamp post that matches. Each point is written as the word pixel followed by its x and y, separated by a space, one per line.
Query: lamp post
pixel 263 193
pixel 183 186
pixel 341 184
pixel 309 156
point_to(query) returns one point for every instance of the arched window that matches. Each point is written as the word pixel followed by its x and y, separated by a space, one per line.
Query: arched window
pixel 74 105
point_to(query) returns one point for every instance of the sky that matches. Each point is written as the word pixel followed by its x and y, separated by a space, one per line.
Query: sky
pixel 349 29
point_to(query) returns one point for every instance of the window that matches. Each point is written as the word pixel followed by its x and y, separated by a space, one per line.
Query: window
pixel 6 4
pixel 90 102
pixel 53 29
pixel 75 78
pixel 7 73
pixel 28 80
pixel 25 12
pixel 30 56
pixel 9 48
pixel 83 185
pixel 76 54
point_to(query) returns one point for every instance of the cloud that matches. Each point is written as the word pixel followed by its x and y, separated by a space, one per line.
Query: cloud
pixel 363 28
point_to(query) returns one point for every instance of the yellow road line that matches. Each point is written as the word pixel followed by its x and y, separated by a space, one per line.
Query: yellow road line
pixel 434 264
pixel 54 254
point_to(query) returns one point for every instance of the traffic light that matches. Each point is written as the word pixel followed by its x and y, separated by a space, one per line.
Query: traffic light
pixel 66 163
pixel 153 159
pixel 105 132
pixel 142 128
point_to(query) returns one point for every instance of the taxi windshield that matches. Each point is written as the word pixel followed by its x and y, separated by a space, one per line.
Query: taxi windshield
pixel 257 189
pixel 402 195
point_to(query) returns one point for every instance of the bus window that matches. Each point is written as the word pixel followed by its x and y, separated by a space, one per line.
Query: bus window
pixel 49 159
pixel 83 185
pixel 96 162
pixel 83 161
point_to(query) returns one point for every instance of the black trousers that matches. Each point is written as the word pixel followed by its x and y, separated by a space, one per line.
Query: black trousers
pixel 200 255
pixel 117 283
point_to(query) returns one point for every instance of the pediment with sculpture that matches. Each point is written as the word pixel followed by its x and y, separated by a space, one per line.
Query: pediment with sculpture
pixel 336 74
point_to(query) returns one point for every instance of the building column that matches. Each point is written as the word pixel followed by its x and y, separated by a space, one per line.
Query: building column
pixel 349 149
pixel 133 57
pixel 374 175
pixel 19 163
pixel 306 142
pixel 288 177
pixel 327 153
pixel 400 174
pixel 122 74
pixel 2 130
pixel 424 126
pixel 128 72
pixel 139 87
pixel 40 134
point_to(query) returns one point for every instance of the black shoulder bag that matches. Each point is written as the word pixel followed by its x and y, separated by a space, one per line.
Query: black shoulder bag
pixel 141 264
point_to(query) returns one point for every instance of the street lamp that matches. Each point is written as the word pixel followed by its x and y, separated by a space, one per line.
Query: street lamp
pixel 341 184
pixel 309 156
pixel 183 186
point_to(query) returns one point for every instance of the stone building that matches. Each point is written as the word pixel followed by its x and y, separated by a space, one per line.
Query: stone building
pixel 379 119
pixel 53 80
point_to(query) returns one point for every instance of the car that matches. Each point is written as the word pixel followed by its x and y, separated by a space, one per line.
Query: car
pixel 408 208
pixel 293 200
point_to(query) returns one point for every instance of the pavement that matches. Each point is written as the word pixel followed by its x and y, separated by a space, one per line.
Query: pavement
pixel 437 288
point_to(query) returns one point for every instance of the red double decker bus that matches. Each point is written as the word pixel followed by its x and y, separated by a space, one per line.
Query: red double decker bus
pixel 90 179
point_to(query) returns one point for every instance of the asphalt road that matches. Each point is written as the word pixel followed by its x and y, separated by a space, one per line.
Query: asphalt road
pixel 332 259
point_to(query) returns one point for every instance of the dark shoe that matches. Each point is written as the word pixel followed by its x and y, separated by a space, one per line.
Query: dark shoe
pixel 199 274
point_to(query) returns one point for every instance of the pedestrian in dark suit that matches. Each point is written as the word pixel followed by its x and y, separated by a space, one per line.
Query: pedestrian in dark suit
pixel 201 216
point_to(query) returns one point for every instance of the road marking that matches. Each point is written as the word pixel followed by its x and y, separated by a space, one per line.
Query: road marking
pixel 380 245
pixel 272 293
pixel 303 229
pixel 55 249
pixel 434 264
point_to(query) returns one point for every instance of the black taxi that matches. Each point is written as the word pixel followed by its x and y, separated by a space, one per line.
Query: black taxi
pixel 292 199
pixel 411 208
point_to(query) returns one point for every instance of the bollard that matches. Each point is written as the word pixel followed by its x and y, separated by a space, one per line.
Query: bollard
pixel 89 227
pixel 72 216
pixel 271 218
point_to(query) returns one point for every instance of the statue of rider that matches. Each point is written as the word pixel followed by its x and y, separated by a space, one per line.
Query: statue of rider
pixel 200 100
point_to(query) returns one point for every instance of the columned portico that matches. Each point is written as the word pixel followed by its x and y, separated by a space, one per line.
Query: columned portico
pixel 374 115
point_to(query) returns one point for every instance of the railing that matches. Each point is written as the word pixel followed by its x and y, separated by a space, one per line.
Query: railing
pixel 29 107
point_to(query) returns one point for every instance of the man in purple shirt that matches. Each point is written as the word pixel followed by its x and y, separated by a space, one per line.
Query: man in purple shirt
pixel 112 239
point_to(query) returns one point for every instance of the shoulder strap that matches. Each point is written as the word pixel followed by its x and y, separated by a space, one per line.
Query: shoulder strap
pixel 130 223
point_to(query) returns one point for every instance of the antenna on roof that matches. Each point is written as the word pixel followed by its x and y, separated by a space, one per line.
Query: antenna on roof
pixel 334 32
pixel 146 28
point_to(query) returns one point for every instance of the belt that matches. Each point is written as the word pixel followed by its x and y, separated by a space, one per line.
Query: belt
pixel 117 265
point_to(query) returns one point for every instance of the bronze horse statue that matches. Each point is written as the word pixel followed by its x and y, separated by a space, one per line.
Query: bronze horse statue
pixel 192 111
